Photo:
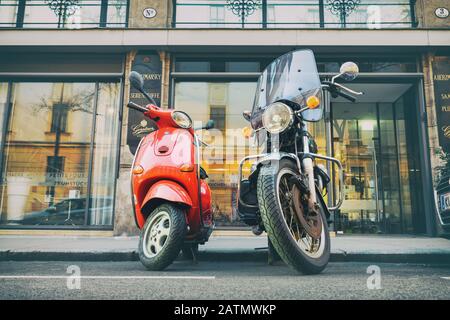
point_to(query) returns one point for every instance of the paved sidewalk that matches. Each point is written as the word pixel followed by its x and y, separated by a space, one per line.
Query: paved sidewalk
pixel 225 248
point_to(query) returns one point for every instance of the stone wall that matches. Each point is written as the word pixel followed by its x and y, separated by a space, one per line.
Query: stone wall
pixel 425 14
pixel 163 18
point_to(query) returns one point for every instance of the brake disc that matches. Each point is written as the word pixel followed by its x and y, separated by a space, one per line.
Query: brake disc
pixel 310 219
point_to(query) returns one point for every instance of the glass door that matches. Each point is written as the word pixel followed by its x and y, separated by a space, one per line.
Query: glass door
pixel 355 135
pixel 375 139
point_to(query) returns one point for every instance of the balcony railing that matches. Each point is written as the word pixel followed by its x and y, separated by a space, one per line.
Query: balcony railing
pixel 71 14
pixel 371 14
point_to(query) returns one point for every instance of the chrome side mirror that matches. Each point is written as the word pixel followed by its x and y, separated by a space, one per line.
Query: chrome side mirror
pixel 136 80
pixel 210 124
pixel 349 71
pixel 247 114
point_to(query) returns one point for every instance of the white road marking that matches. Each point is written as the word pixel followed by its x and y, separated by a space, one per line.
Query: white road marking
pixel 112 277
pixel 446 278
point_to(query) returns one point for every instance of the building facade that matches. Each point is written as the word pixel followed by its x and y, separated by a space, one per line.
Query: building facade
pixel 67 141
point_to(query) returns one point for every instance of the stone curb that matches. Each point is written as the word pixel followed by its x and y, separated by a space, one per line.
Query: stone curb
pixel 225 256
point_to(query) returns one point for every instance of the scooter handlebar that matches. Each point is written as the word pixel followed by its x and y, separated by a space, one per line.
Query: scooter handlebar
pixel 136 107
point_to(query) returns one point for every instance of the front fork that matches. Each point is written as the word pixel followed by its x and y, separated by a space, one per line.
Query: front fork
pixel 308 168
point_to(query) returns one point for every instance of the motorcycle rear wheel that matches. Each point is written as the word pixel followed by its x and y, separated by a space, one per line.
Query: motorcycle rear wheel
pixel 295 247
pixel 162 236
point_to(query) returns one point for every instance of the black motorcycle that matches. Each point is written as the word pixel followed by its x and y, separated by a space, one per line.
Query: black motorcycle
pixel 283 195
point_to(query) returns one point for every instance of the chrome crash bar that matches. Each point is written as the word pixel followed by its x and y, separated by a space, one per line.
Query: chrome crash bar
pixel 313 155
pixel 341 176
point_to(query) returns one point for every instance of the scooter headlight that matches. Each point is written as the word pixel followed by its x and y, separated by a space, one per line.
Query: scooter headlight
pixel 182 119
pixel 277 117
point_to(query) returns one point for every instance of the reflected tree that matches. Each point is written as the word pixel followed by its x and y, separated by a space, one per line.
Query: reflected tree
pixel 60 104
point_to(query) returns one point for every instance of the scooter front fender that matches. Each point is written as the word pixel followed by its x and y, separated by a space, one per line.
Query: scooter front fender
pixel 163 190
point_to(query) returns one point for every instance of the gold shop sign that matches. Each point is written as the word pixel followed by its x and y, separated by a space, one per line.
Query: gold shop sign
pixel 441 80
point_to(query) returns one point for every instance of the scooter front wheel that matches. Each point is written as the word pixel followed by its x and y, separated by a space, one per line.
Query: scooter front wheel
pixel 162 237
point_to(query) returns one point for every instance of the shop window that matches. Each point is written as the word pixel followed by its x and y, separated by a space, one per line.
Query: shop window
pixel 60 179
pixel 217 65
pixel 223 102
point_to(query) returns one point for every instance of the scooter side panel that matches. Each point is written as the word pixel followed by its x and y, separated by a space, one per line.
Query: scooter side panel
pixel 158 167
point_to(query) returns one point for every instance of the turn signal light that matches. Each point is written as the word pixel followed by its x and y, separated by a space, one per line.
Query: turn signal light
pixel 313 102
pixel 247 132
pixel 187 167
pixel 138 169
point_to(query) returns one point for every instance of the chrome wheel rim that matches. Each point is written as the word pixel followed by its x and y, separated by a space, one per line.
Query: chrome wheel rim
pixel 311 247
pixel 156 234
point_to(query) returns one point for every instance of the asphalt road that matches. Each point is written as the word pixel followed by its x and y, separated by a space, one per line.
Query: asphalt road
pixel 225 280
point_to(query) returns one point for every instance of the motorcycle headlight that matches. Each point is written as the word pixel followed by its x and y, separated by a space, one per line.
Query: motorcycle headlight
pixel 277 117
pixel 181 119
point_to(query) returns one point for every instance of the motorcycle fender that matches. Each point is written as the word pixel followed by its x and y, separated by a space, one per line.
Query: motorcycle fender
pixel 169 191
pixel 277 157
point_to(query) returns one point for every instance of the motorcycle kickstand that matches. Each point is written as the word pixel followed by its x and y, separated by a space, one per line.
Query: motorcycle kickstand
pixel 194 256
pixel 273 255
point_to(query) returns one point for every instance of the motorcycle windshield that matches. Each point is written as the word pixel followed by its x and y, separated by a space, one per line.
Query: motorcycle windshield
pixel 292 77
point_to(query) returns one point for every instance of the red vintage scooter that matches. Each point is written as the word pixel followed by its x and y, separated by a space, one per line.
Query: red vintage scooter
pixel 171 199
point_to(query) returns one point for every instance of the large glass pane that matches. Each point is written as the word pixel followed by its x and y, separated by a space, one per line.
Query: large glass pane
pixel 293 14
pixel 217 14
pixel 224 103
pixel 354 136
pixel 117 13
pixel 105 155
pixel 404 166
pixel 372 14
pixel 8 13
pixel 44 14
pixel 46 156
pixel 388 166
pixel 376 140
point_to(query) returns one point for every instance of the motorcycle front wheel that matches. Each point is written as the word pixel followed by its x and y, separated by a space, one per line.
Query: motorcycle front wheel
pixel 162 237
pixel 289 235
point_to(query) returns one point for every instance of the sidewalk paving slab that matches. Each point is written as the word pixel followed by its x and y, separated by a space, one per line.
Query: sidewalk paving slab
pixel 396 249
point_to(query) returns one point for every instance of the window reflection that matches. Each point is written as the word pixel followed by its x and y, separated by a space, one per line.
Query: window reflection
pixel 105 155
pixel 224 103
pixel 47 153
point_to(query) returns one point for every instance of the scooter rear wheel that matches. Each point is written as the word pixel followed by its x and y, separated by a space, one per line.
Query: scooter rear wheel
pixel 162 237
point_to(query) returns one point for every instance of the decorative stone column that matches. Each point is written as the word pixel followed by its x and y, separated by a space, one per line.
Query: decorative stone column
pixel 123 215
pixel 124 223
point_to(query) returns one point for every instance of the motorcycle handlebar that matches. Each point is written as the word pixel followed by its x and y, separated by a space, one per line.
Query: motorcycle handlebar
pixel 136 107
pixel 335 91
pixel 346 96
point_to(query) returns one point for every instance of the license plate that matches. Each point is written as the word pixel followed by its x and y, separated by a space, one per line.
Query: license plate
pixel 445 201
